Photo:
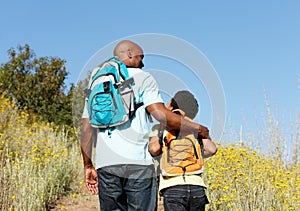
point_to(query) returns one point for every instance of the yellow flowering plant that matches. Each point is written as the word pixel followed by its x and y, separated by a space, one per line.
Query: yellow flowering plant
pixel 38 161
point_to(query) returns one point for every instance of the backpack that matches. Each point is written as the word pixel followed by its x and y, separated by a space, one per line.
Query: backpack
pixel 110 97
pixel 181 154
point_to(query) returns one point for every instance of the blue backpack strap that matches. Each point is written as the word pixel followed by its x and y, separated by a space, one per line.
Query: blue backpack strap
pixel 122 67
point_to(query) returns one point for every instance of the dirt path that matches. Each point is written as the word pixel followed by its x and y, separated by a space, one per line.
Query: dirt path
pixel 83 202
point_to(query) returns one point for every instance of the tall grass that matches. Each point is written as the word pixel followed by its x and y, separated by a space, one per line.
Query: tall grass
pixel 38 162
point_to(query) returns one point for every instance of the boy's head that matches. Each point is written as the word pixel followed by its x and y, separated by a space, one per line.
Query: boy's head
pixel 185 101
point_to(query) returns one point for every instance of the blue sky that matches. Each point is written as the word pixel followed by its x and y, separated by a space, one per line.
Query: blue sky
pixel 254 46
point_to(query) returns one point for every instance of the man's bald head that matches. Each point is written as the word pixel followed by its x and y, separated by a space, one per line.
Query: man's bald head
pixel 124 46
pixel 129 52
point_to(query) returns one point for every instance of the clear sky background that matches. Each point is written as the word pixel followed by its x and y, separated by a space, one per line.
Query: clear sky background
pixel 254 46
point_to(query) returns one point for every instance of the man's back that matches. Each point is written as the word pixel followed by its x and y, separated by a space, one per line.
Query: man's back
pixel 126 144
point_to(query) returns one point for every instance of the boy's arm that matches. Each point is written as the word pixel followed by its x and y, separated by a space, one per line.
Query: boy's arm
pixel 154 146
pixel 209 147
pixel 155 140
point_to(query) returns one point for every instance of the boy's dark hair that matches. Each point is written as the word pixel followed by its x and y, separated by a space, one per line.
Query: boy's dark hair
pixel 185 101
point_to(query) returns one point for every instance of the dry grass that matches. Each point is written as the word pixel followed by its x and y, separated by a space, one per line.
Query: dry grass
pixel 38 162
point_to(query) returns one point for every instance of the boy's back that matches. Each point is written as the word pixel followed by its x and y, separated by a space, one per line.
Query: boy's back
pixel 185 190
pixel 181 154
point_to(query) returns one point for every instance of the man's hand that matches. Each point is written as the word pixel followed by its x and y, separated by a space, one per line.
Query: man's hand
pixel 203 132
pixel 91 179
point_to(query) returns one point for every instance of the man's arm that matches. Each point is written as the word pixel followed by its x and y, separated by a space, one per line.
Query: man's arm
pixel 175 121
pixel 90 174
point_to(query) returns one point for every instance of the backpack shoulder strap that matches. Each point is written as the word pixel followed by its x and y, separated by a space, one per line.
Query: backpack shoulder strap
pixel 122 69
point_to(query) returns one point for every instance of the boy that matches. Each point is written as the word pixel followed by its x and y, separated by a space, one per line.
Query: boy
pixel 188 192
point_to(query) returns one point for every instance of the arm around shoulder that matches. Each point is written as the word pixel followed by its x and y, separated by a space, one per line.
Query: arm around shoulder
pixel 175 121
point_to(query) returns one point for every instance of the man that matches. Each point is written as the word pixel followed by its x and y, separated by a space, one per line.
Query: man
pixel 124 175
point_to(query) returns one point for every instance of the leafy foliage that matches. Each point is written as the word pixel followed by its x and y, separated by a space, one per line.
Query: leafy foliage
pixel 78 103
pixel 37 85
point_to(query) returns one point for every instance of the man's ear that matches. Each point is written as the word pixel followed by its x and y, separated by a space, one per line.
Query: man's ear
pixel 129 53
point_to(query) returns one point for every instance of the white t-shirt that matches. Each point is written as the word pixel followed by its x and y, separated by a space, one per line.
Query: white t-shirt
pixel 128 143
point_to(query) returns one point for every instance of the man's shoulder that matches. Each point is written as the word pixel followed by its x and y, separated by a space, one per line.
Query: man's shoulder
pixel 141 77
pixel 137 72
pixel 134 70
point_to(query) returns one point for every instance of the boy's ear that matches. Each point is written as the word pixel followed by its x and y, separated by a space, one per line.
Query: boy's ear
pixel 168 105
